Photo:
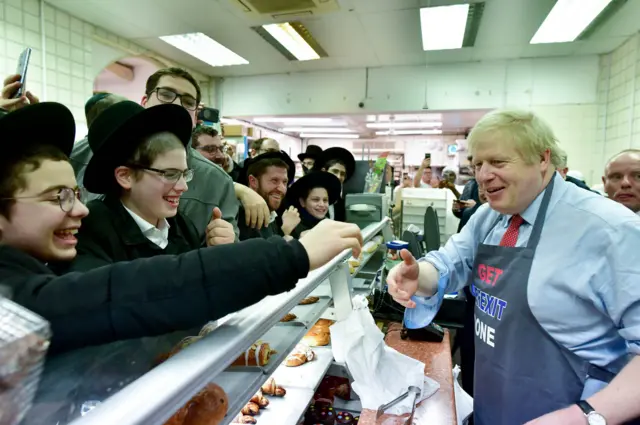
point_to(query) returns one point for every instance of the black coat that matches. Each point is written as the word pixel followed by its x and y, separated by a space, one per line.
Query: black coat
pixel 109 235
pixel 151 296
pixel 273 229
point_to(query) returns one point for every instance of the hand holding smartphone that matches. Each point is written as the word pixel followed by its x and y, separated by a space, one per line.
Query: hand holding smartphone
pixel 23 65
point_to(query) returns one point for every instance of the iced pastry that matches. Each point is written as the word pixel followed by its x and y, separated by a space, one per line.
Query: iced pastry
pixel 256 355
pixel 299 356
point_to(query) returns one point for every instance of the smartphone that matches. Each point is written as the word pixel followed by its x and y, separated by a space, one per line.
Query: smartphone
pixel 427 156
pixel 23 65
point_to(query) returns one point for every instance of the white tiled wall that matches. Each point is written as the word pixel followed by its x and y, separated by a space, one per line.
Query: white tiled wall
pixel 618 101
pixel 61 63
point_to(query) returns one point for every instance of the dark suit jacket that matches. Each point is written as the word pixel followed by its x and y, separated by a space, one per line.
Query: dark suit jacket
pixel 109 235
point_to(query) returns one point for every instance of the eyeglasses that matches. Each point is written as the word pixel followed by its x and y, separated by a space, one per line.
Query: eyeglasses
pixel 166 95
pixel 66 197
pixel 211 149
pixel 170 175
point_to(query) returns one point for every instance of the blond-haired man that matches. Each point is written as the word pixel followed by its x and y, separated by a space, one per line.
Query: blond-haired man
pixel 555 272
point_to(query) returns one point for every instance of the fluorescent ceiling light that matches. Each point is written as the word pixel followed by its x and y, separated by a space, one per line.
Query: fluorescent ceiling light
pixel 291 40
pixel 443 27
pixel 404 124
pixel 567 20
pixel 407 132
pixel 316 130
pixel 329 136
pixel 299 121
pixel 204 48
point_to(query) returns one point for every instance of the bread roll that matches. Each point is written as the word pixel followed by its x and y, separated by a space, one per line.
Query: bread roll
pixel 324 322
pixel 269 387
pixel 208 407
pixel 309 300
pixel 317 337
pixel 289 317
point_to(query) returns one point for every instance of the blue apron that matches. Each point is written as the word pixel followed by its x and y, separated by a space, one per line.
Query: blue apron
pixel 521 372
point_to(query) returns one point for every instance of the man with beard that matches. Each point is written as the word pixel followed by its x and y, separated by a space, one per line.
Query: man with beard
pixel 622 179
pixel 268 175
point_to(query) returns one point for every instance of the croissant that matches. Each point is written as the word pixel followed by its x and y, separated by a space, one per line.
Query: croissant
pixel 269 387
pixel 280 392
pixel 256 355
pixel 242 419
pixel 250 409
pixel 260 400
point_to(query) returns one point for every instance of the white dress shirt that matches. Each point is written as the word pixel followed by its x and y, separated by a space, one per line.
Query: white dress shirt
pixel 157 235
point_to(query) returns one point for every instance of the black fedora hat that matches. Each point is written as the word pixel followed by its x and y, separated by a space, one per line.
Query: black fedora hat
pixel 282 155
pixel 312 152
pixel 16 126
pixel 119 130
pixel 314 179
pixel 340 154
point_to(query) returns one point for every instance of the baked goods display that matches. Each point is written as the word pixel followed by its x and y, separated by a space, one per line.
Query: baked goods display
pixel 288 317
pixel 243 419
pixel 258 354
pixel 309 300
pixel 24 341
pixel 300 355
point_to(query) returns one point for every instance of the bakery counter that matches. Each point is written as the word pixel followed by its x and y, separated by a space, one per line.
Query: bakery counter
pixel 238 354
pixel 438 409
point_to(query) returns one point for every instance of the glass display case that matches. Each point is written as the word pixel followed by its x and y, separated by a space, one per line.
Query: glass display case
pixel 127 384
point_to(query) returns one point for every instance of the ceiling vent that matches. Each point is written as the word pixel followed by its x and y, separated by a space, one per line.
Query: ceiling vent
pixel 278 9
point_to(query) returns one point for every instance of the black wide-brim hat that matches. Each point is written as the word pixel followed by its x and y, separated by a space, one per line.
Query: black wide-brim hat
pixel 312 152
pixel 17 129
pixel 282 155
pixel 120 129
pixel 340 154
pixel 312 180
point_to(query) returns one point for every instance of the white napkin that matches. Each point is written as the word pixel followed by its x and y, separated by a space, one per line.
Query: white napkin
pixel 380 373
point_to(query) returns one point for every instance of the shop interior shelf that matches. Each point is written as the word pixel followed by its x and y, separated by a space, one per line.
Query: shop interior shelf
pixel 301 383
pixel 282 338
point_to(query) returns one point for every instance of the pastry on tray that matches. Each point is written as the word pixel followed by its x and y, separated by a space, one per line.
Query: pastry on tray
pixel 208 407
pixel 289 317
pixel 317 337
pixel 260 400
pixel 271 388
pixel 244 419
pixel 309 300
pixel 250 409
pixel 353 262
pixel 325 322
pixel 299 356
pixel 256 355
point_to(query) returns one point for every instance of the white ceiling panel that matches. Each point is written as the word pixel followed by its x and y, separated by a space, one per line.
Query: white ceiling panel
pixel 363 33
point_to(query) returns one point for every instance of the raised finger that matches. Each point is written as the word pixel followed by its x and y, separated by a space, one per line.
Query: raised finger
pixel 32 98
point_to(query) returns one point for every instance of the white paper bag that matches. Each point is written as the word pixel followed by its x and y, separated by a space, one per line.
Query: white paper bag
pixel 380 373
pixel 464 402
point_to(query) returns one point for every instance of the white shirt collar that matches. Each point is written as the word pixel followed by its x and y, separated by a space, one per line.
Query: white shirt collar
pixel 273 217
pixel 157 235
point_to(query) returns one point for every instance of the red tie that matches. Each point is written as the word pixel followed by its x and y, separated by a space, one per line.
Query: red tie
pixel 511 236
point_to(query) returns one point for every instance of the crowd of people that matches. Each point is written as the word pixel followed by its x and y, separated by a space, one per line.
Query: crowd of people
pixel 150 214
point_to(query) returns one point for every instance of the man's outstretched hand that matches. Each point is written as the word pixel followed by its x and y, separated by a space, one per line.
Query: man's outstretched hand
pixel 403 280
pixel 9 89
